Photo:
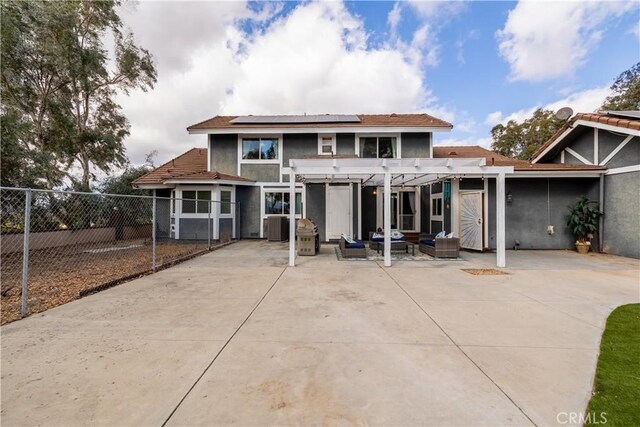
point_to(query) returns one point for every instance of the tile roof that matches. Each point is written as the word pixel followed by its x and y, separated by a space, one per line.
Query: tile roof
pixel 606 119
pixel 496 159
pixel 191 165
pixel 366 120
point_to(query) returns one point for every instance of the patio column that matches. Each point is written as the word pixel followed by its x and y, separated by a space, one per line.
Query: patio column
pixel 500 221
pixel 387 219
pixel 292 218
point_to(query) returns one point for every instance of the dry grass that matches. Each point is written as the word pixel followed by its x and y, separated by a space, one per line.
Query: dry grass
pixel 484 271
pixel 58 275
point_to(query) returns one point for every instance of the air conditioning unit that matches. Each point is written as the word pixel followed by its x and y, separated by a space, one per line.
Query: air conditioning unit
pixel 277 229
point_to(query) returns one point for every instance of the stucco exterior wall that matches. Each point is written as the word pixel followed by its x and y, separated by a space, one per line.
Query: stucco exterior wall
pixel 298 146
pixel 224 153
pixel 345 144
pixel 416 145
pixel 628 156
pixel 621 221
pixel 194 228
pixel 249 201
pixel 526 217
pixel 368 212
pixel 261 172
pixel 316 199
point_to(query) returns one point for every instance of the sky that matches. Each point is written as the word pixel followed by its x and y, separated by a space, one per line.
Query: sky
pixel 474 64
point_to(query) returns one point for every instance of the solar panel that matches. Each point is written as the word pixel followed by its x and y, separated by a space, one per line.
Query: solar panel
pixel 307 118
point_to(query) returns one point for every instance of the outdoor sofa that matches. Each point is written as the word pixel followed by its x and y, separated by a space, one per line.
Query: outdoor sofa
pixel 352 250
pixel 439 247
pixel 377 243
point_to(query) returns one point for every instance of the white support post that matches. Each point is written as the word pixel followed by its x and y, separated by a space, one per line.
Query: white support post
pixel 387 219
pixel 292 218
pixel 500 221
pixel 455 207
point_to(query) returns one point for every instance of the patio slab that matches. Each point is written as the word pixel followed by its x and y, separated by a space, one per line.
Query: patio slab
pixel 237 337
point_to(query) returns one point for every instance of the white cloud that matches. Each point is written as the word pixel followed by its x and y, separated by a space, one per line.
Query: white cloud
pixel 585 101
pixel 313 59
pixel 393 18
pixel 551 39
pixel 482 142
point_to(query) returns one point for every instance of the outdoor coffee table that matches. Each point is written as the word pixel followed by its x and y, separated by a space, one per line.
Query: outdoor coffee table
pixel 398 245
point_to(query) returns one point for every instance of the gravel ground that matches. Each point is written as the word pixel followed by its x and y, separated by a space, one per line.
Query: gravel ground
pixel 58 275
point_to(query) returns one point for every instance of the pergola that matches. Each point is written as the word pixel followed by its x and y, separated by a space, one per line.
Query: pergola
pixel 411 171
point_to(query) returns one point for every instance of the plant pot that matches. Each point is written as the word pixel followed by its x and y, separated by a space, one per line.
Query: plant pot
pixel 583 248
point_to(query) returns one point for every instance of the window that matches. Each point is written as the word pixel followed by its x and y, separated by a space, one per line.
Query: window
pixel 259 148
pixel 225 202
pixel 196 202
pixel 277 203
pixel 382 147
pixel 436 207
pixel 326 144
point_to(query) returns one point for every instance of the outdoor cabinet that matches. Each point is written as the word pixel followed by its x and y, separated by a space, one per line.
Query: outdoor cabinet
pixel 277 229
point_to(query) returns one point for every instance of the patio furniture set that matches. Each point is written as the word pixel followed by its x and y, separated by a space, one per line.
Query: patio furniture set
pixel 435 245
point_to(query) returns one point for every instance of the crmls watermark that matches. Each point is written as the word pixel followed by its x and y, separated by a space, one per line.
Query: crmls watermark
pixel 578 418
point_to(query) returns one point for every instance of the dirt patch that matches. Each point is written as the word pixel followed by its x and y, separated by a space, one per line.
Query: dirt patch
pixel 60 275
pixel 484 271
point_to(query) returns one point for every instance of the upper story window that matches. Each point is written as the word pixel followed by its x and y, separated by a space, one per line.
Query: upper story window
pixel 326 144
pixel 225 201
pixel 381 147
pixel 260 148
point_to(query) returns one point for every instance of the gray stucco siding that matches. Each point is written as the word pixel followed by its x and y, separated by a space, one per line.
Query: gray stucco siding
pixel 628 156
pixel 416 145
pixel 526 217
pixel 298 146
pixel 316 199
pixel 425 209
pixel 607 142
pixel 368 212
pixel 226 227
pixel 224 153
pixel 345 144
pixel 621 221
pixel 194 228
pixel 261 172
pixel 248 199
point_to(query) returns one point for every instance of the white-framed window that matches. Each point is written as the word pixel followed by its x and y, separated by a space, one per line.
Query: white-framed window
pixel 380 147
pixel 225 202
pixel 196 201
pixel 260 148
pixel 278 203
pixel 326 144
pixel 436 207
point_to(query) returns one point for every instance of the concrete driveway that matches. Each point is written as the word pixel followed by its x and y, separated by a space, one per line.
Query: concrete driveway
pixel 236 337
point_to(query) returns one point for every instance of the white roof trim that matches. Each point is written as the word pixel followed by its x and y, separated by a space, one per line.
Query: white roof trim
pixel 207 181
pixel 344 129
pixel 557 174
pixel 587 123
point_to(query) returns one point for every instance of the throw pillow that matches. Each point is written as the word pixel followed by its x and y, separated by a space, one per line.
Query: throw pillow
pixel 441 234
pixel 449 236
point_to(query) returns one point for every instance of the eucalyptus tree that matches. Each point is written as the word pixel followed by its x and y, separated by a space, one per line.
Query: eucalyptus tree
pixel 63 65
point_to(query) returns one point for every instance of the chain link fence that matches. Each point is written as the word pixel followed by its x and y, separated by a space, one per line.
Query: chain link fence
pixel 57 246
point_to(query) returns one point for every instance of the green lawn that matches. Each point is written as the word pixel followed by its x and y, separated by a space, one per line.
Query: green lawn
pixel 617 383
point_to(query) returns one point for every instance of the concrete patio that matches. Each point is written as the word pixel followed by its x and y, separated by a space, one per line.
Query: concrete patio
pixel 237 337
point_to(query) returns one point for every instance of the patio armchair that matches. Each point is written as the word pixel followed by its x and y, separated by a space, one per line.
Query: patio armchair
pixel 352 250
pixel 439 247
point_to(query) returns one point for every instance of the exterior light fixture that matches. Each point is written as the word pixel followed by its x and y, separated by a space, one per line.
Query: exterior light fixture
pixel 375 191
pixel 509 197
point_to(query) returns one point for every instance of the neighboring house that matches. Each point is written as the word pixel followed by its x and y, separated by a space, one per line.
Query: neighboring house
pixel 247 161
pixel 609 140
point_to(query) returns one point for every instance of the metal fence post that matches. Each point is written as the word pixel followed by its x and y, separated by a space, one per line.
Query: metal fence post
pixel 25 252
pixel 153 233
pixel 209 228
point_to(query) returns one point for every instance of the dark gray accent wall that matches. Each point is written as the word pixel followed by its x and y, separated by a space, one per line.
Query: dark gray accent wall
pixel 224 153
pixel 607 142
pixel 575 140
pixel 261 173
pixel 194 228
pixel 163 213
pixel 628 156
pixel 368 212
pixel 471 184
pixel 526 217
pixel 345 144
pixel 416 145
pixel 298 146
pixel 316 199
pixel 249 206
pixel 226 227
pixel 621 228
pixel 354 209
pixel 425 209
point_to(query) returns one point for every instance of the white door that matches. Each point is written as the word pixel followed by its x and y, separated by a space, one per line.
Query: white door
pixel 338 211
pixel 471 220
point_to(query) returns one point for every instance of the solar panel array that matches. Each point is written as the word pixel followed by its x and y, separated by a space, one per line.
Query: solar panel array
pixel 307 118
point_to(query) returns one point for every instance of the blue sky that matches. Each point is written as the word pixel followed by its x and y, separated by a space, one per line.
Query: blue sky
pixel 473 63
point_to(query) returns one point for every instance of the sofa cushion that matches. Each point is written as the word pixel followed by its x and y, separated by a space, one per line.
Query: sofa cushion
pixel 376 237
pixel 430 242
pixel 355 245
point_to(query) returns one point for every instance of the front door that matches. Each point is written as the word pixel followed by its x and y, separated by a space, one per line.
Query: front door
pixel 471 220
pixel 338 211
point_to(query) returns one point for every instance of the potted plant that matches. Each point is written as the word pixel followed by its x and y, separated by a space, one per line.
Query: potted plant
pixel 583 220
